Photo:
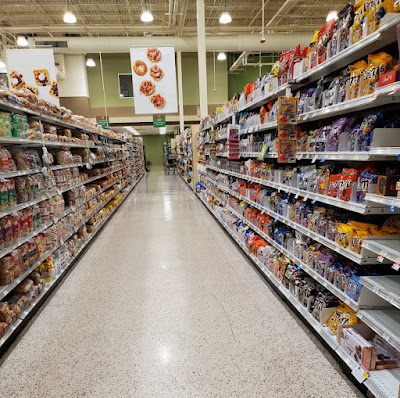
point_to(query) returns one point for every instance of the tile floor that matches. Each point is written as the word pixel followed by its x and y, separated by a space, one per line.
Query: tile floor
pixel 164 305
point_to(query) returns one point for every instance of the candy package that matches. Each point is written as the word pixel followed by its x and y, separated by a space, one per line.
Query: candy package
pixel 356 74
pixel 342 315
pixel 361 9
pixel 377 10
pixel 378 64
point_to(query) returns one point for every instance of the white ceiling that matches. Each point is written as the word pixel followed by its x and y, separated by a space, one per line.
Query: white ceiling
pixel 171 17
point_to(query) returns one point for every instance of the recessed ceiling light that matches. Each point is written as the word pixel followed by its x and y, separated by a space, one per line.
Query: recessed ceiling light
pixel 69 17
pixel 163 130
pixel 331 15
pixel 2 64
pixel 21 41
pixel 146 16
pixel 225 18
pixel 90 62
pixel 221 56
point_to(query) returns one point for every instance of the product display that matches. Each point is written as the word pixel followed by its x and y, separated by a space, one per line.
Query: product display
pixel 297 209
pixel 54 198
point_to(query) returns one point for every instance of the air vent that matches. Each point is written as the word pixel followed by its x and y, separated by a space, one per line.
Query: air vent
pixel 54 44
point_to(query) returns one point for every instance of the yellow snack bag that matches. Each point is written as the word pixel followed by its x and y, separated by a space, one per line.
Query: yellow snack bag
pixel 378 9
pixel 342 315
pixel 357 237
pixel 343 235
pixel 356 73
pixel 361 10
pixel 396 6
pixel 378 64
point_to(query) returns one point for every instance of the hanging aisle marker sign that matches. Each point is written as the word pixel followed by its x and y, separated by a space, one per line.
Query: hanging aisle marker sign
pixel 154 80
pixel 103 122
pixel 159 121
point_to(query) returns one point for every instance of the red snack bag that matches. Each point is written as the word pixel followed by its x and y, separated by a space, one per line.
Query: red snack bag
pixel 333 184
pixel 16 226
pixel 349 177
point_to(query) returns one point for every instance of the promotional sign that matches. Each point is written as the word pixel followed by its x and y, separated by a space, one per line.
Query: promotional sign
pixel 154 80
pixel 34 70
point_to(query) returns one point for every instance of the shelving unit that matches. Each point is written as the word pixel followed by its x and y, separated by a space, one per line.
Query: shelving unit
pixel 121 167
pixel 378 304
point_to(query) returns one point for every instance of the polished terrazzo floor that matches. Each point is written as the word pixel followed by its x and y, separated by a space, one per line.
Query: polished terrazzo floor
pixel 164 305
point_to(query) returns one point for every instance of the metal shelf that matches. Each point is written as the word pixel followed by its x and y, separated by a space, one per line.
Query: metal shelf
pixel 387 287
pixel 373 42
pixel 387 247
pixel 373 154
pixel 266 98
pixel 382 96
pixel 384 200
pixel 351 206
pixel 385 322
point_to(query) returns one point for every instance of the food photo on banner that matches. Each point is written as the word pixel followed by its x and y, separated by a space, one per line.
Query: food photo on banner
pixel 39 75
pixel 154 80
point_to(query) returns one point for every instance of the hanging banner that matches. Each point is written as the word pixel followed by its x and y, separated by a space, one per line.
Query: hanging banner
pixel 34 70
pixel 154 80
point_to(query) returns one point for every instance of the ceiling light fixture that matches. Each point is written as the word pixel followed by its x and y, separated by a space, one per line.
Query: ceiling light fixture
pixel 21 41
pixel 221 56
pixel 2 64
pixel 69 17
pixel 331 15
pixel 146 16
pixel 90 62
pixel 225 18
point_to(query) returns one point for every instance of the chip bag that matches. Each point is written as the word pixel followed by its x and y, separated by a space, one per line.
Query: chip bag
pixel 343 235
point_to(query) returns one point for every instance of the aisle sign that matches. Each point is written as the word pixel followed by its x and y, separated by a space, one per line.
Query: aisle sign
pixel 154 80
pixel 39 75
pixel 159 121
pixel 103 121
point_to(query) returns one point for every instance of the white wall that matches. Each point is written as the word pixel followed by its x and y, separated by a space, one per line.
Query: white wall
pixel 75 83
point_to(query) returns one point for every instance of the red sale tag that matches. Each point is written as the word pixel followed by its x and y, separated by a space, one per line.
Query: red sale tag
pixel 382 256
pixel 396 266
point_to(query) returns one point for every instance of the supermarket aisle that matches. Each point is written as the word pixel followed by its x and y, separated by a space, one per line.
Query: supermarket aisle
pixel 148 312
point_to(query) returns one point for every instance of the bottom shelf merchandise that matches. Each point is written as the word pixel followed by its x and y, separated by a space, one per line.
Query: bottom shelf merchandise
pixel 50 259
pixel 371 358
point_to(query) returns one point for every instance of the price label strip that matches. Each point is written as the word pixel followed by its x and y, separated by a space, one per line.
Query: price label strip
pixel 360 373
pixel 382 256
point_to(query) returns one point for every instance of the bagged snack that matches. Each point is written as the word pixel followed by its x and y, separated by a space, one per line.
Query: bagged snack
pixel 356 74
pixel 377 10
pixel 343 235
pixel 343 315
pixel 360 18
pixel 349 177
pixel 365 132
pixel 378 64
pixel 333 184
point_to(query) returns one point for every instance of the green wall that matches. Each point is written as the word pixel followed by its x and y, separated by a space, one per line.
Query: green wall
pixel 154 147
pixel 120 63
pixel 247 74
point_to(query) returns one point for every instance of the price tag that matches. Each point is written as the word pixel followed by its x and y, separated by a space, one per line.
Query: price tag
pixel 396 266
pixel 375 96
pixel 314 159
pixel 305 198
pixel 276 220
pixel 322 160
pixel 360 373
pixel 296 196
pixel 300 156
pixel 250 129
pixel 382 256
pixel 392 208
pixel 313 201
